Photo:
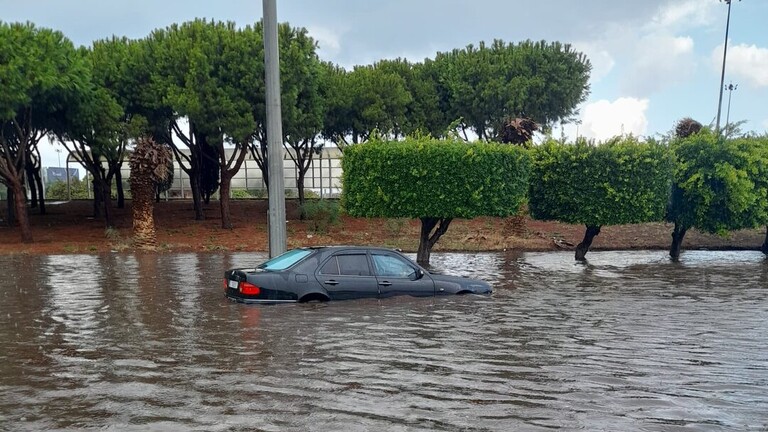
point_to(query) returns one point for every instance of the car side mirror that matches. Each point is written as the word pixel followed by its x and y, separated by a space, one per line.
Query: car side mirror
pixel 419 274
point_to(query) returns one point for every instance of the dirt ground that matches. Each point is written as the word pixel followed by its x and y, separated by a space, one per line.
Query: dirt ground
pixel 70 228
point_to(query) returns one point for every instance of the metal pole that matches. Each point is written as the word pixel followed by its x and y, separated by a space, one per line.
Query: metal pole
pixel 730 88
pixel 277 231
pixel 722 73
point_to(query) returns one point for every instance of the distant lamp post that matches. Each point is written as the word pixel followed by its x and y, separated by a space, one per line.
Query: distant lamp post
pixel 58 153
pixel 730 87
pixel 722 74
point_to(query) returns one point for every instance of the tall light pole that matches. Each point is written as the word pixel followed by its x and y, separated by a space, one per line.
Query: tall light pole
pixel 722 74
pixel 277 231
pixel 730 87
pixel 58 152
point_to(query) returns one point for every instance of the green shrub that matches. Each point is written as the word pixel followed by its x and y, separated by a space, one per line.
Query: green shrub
pixel 258 193
pixel 720 184
pixel 58 189
pixel 240 194
pixel 433 178
pixel 322 214
pixel 435 181
pixel 621 181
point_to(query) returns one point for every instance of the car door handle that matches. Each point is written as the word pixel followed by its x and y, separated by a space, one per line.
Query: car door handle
pixel 385 283
pixel 331 282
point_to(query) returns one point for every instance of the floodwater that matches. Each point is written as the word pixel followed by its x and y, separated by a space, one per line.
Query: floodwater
pixel 629 341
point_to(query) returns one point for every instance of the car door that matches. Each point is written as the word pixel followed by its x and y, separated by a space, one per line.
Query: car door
pixel 347 275
pixel 397 276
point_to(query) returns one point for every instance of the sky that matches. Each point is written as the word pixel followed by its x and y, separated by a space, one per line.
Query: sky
pixel 654 61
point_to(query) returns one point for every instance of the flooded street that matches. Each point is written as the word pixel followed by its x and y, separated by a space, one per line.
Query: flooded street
pixel 629 341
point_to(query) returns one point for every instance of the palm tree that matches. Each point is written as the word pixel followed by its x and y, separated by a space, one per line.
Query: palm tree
pixel 518 130
pixel 686 127
pixel 149 167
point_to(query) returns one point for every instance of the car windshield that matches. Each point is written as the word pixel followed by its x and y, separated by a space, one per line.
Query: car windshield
pixel 282 262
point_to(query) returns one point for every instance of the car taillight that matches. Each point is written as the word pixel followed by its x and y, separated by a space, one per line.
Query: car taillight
pixel 249 288
pixel 225 284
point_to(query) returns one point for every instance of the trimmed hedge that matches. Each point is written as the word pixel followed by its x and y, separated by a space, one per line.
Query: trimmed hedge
pixel 430 178
pixel 621 181
pixel 720 185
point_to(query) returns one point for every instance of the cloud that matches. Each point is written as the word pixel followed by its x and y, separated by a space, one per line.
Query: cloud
pixel 659 61
pixel 682 14
pixel 653 54
pixel 744 62
pixel 601 59
pixel 328 40
pixel 604 119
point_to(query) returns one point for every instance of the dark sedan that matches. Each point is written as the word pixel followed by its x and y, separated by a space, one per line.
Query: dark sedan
pixel 340 273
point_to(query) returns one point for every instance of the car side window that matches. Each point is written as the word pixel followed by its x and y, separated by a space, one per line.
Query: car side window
pixel 392 266
pixel 331 267
pixel 347 265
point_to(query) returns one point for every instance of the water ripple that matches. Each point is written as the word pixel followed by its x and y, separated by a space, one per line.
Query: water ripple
pixel 627 341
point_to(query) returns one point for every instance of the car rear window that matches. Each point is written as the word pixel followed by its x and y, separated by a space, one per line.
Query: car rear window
pixel 282 262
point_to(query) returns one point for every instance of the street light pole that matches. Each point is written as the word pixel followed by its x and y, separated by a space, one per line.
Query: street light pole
pixel 722 73
pixel 730 87
pixel 277 231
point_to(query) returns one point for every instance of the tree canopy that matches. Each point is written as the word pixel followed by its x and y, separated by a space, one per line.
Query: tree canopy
pixel 42 75
pixel 435 181
pixel 486 84
pixel 621 181
pixel 720 185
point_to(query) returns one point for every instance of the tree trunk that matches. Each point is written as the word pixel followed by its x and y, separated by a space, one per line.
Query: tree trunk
pixel 32 185
pixel 41 193
pixel 20 206
pixel 226 216
pixel 677 240
pixel 10 206
pixel 197 198
pixel 106 195
pixel 427 239
pixel 120 191
pixel 96 198
pixel 144 233
pixel 764 248
pixel 583 247
pixel 300 187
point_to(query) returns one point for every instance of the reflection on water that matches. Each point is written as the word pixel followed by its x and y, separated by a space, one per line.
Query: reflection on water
pixel 627 341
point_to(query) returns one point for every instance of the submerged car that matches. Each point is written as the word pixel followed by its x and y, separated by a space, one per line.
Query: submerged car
pixel 340 273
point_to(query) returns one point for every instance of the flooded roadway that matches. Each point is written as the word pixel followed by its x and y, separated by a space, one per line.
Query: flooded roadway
pixel 629 341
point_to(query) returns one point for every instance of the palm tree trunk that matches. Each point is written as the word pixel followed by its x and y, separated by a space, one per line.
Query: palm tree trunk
pixel 144 233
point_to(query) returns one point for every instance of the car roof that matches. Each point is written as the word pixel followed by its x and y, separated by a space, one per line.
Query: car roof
pixel 351 247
